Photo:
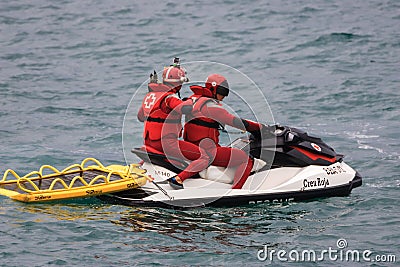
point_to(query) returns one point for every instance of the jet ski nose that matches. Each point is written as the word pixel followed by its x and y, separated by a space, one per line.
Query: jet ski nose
pixel 357 180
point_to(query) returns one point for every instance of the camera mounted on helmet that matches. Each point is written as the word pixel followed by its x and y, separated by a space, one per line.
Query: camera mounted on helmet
pixel 174 75
pixel 176 62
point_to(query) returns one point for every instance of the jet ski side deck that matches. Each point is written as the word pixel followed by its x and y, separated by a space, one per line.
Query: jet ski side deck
pixel 139 197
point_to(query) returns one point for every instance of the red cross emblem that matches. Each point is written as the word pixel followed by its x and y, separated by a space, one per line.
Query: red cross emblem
pixel 150 100
pixel 316 147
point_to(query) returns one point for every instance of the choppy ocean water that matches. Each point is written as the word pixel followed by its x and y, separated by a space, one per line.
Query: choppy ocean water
pixel 68 70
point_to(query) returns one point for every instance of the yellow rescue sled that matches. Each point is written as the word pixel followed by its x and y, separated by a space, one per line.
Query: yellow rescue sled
pixel 75 181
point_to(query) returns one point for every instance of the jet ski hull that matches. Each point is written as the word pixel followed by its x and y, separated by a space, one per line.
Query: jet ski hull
pixel 290 165
pixel 126 197
pixel 224 197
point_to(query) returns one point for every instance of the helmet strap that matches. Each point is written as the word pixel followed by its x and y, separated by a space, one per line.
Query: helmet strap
pixel 214 91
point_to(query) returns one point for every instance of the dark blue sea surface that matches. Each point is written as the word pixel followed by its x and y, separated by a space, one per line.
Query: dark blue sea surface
pixel 69 69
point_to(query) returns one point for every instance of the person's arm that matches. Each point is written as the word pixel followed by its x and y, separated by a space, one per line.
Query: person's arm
pixel 177 105
pixel 140 115
pixel 218 113
pixel 249 125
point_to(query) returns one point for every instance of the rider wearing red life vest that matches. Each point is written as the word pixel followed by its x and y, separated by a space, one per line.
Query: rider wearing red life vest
pixel 156 110
pixel 161 110
pixel 207 116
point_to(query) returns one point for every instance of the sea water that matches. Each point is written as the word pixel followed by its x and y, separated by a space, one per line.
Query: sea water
pixel 68 70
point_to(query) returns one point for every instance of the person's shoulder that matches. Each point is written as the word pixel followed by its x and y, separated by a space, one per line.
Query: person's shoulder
pixel 158 87
pixel 174 96
pixel 211 102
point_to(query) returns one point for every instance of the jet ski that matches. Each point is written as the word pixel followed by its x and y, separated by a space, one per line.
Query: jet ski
pixel 290 165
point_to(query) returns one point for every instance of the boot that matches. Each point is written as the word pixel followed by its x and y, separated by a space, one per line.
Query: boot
pixel 174 183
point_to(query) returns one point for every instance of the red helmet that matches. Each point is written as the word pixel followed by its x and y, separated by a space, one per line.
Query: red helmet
pixel 174 76
pixel 217 84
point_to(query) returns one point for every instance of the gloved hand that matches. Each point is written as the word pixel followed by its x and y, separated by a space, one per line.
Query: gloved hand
pixel 270 129
pixel 187 106
pixel 265 131
pixel 257 133
pixel 187 109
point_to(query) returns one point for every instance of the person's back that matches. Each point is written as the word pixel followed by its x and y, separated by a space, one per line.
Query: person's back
pixel 156 110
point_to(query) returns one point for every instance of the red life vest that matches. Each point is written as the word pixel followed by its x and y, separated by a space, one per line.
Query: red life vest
pixel 197 126
pixel 156 115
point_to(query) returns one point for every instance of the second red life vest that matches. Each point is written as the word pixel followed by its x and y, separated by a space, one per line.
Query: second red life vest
pixel 197 126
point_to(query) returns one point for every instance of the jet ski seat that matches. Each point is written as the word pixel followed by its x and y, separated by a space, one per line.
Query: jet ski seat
pixel 226 175
pixel 150 154
pixel 212 173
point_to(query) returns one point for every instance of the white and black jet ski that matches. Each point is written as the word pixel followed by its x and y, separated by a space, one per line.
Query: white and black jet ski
pixel 289 165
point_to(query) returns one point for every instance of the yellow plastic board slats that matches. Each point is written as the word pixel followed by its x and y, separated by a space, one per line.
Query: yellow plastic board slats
pixel 75 181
